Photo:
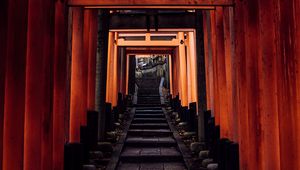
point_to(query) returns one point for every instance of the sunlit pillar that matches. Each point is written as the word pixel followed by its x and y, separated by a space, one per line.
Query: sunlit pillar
pixel 182 69
pixel 115 70
pixel 171 74
pixel 78 77
pixel 110 60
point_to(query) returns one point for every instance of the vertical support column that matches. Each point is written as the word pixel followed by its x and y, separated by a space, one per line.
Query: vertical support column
pixel 182 69
pixel 101 70
pixel 14 108
pixel 208 64
pixel 251 35
pixel 286 84
pixel 3 52
pixel 202 106
pixel 78 77
pixel 243 126
pixel 60 82
pixel 90 39
pixel 221 74
pixel 170 58
pixel 193 66
pixel 216 106
pixel 269 157
pixel 38 134
pixel 110 60
pixel 297 53
pixel 127 73
pixel 115 72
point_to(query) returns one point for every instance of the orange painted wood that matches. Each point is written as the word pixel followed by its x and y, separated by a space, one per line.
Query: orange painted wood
pixel 60 78
pixel 38 134
pixel 183 71
pixel 109 67
pixel 216 105
pixel 286 84
pixel 3 52
pixel 78 77
pixel 221 75
pixel 252 80
pixel 269 156
pixel 149 2
pixel 115 74
pixel 207 50
pixel 90 51
pixel 297 53
pixel 241 95
pixel 171 75
pixel 14 108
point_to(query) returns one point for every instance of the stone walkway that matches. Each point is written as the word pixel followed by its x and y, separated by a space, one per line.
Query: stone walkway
pixel 150 144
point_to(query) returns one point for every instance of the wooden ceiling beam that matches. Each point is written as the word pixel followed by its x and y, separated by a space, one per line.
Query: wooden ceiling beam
pixel 148 3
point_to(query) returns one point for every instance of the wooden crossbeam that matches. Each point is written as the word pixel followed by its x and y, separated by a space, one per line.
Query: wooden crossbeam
pixel 151 3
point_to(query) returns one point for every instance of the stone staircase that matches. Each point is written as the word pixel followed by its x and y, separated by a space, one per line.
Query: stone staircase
pixel 150 143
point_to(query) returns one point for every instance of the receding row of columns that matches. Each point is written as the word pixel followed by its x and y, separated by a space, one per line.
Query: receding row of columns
pixel 252 71
pixel 46 85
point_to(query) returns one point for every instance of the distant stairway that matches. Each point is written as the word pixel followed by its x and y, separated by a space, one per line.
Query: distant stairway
pixel 150 143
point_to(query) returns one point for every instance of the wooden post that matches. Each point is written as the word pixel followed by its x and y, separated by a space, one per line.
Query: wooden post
pixel 202 104
pixel 183 69
pixel 3 52
pixel 110 59
pixel 60 82
pixel 90 47
pixel 78 77
pixel 286 84
pixel 38 134
pixel 269 156
pixel 101 70
pixel 14 108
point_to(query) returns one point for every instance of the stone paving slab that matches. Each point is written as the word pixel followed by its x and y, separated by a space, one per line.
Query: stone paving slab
pixel 150 151
pixel 152 166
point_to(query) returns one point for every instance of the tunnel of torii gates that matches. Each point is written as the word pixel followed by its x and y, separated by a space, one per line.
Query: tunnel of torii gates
pixel 241 62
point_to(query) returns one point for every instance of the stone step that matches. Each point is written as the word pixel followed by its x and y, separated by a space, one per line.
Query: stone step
pixel 150 141
pixel 149 116
pixel 149 108
pixel 150 154
pixel 149 126
pixel 148 105
pixel 147 111
pixel 152 166
pixel 150 132
pixel 149 120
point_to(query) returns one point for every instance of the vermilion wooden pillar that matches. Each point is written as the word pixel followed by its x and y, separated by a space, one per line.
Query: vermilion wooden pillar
pixel 230 70
pixel 216 106
pixel 241 96
pixel 286 84
pixel 115 70
pixel 110 58
pixel 182 70
pixel 221 74
pixel 269 156
pixel 60 78
pixel 14 109
pixel 297 53
pixel 3 51
pixel 38 134
pixel 251 23
pixel 78 106
pixel 90 51
pixel 207 50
